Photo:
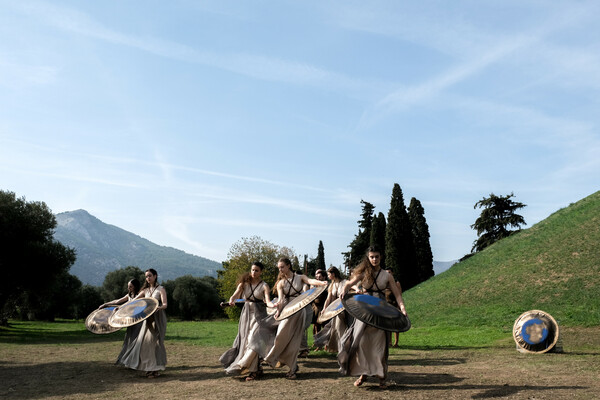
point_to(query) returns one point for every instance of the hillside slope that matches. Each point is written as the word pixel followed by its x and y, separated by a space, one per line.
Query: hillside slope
pixel 553 266
pixel 102 248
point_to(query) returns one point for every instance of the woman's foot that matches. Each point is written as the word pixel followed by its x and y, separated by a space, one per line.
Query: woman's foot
pixel 292 374
pixel 382 384
pixel 251 377
pixel 361 379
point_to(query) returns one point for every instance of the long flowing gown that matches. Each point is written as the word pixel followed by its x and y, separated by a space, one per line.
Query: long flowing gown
pixel 148 353
pixel 288 337
pixel 130 336
pixel 331 333
pixel 364 349
pixel 241 358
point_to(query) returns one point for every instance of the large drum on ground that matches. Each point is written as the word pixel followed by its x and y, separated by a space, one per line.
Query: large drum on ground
pixel 535 331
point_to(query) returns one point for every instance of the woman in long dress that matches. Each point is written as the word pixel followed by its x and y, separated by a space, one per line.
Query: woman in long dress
pixel 149 353
pixel 329 337
pixel 364 349
pixel 241 358
pixel 288 337
pixel 133 288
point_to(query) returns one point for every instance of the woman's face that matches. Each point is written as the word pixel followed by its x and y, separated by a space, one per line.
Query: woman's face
pixel 255 271
pixel 330 276
pixel 130 287
pixel 283 267
pixel 374 258
pixel 150 278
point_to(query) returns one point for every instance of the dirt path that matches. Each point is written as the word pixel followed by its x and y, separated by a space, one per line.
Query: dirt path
pixel 86 372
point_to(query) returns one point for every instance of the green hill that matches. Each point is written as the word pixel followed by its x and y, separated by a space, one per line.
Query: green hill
pixel 553 266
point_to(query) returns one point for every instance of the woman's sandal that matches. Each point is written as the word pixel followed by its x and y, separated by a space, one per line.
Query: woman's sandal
pixel 251 377
pixel 382 384
pixel 361 379
pixel 292 375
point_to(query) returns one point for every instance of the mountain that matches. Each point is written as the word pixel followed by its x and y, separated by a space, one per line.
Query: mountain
pixel 553 266
pixel 102 248
pixel 441 266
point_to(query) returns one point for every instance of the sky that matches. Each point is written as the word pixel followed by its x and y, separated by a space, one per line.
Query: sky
pixel 195 124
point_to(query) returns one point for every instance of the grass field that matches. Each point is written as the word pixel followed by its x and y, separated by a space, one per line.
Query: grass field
pixel 62 360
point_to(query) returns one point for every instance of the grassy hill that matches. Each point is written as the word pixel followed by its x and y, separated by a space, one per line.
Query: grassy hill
pixel 553 266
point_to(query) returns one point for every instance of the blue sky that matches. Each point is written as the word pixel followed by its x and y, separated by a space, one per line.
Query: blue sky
pixel 195 124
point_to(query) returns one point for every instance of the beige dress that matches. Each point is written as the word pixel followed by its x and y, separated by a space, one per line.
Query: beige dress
pixel 241 358
pixel 288 338
pixel 364 349
pixel 148 353
pixel 130 337
pixel 331 334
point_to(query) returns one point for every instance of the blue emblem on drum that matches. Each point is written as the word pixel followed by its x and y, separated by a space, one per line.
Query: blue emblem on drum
pixel 109 308
pixel 534 331
pixel 372 300
pixel 338 306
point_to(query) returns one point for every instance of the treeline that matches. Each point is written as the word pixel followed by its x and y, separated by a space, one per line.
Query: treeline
pixel 403 239
pixel 37 284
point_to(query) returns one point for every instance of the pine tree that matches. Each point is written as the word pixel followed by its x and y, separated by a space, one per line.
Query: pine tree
pixel 399 247
pixel 420 231
pixel 321 257
pixel 498 213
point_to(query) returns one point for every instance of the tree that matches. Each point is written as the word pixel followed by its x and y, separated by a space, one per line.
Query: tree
pixel 399 246
pixel 191 297
pixel 497 215
pixel 115 282
pixel 30 259
pixel 239 259
pixel 362 240
pixel 321 257
pixel 378 234
pixel 420 232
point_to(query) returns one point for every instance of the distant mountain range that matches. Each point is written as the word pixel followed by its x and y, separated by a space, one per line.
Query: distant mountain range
pixel 441 266
pixel 102 248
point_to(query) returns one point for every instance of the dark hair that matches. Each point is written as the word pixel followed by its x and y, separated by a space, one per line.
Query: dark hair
pixel 280 276
pixel 335 272
pixel 245 277
pixel 136 287
pixel 153 272
pixel 365 268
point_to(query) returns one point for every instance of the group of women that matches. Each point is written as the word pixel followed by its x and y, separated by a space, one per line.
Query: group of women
pixel 362 349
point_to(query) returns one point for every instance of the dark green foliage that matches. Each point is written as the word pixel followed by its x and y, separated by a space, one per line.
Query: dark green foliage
pixel 497 216
pixel 378 234
pixel 321 257
pixel 90 298
pixel 420 231
pixel 31 261
pixel 399 246
pixel 115 282
pixel 363 239
pixel 190 298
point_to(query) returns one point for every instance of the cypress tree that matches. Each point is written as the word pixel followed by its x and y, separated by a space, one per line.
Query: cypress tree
pixel 420 231
pixel 361 241
pixel 378 234
pixel 321 257
pixel 399 246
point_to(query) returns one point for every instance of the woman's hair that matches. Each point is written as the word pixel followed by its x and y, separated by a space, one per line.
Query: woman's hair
pixel 335 272
pixel 365 268
pixel 136 287
pixel 280 276
pixel 246 277
pixel 153 272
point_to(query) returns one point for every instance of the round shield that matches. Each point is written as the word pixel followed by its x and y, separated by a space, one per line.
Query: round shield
pixel 97 321
pixel 535 331
pixel 300 301
pixel 133 312
pixel 376 312
pixel 333 309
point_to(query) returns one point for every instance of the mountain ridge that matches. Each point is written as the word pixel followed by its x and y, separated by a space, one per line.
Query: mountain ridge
pixel 102 248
